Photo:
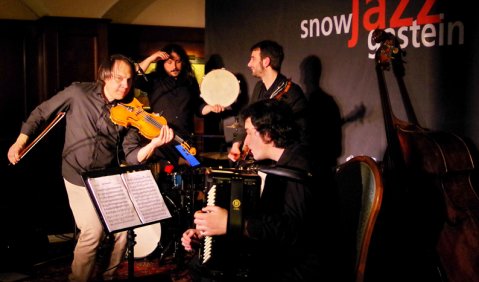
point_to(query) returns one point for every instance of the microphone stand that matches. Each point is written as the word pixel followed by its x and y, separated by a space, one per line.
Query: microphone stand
pixel 140 70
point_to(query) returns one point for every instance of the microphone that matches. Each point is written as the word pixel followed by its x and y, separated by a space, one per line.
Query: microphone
pixel 140 70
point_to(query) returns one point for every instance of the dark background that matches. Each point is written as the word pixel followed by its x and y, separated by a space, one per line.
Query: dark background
pixel 43 56
pixel 40 58
pixel 440 80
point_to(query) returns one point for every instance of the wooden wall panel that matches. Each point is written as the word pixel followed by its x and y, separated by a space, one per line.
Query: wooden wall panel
pixel 39 58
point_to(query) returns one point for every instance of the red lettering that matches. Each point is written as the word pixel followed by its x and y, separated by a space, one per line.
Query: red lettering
pixel 379 12
pixel 375 17
pixel 422 16
pixel 355 27
pixel 396 20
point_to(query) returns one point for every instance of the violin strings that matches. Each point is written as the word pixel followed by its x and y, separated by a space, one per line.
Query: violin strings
pixel 159 125
pixel 154 122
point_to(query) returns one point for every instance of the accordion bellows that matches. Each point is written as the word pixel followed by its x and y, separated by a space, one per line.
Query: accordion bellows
pixel 238 192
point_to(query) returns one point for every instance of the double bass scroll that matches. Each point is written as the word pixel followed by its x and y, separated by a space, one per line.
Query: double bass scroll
pixel 432 170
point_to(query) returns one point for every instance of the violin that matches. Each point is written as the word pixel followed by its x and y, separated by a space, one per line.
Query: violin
pixel 283 89
pixel 277 94
pixel 245 158
pixel 149 125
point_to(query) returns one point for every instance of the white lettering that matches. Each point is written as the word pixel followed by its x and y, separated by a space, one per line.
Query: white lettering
pixel 327 26
pixel 324 27
pixel 428 31
pixel 428 35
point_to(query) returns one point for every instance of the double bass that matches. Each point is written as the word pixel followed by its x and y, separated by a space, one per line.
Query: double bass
pixel 431 191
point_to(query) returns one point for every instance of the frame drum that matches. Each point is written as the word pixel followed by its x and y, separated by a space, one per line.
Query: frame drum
pixel 147 240
pixel 220 87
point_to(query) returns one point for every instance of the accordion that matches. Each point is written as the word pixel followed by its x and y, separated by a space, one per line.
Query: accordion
pixel 238 192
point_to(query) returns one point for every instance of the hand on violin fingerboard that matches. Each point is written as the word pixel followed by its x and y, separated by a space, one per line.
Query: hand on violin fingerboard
pixel 165 136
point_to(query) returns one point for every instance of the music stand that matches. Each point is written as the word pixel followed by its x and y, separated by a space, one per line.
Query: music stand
pixel 126 198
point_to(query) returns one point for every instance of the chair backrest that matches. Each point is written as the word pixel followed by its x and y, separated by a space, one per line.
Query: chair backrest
pixel 360 190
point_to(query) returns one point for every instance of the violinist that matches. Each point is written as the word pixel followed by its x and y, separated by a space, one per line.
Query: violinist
pixel 92 141
pixel 265 64
pixel 173 92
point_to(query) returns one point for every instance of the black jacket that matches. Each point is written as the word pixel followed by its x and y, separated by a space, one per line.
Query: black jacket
pixel 294 97
pixel 288 238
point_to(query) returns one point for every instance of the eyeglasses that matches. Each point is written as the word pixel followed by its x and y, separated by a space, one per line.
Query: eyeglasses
pixel 120 78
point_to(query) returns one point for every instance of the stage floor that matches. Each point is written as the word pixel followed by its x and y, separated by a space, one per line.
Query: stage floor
pixel 55 265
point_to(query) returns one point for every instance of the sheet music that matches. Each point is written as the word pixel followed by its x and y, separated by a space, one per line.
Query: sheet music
pixel 127 199
pixel 114 202
pixel 146 196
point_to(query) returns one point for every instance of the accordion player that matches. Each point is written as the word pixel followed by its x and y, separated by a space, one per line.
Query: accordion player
pixel 238 192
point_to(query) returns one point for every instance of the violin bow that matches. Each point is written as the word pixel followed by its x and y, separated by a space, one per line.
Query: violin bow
pixel 54 122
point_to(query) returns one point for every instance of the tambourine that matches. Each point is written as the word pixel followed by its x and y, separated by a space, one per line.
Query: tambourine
pixel 220 87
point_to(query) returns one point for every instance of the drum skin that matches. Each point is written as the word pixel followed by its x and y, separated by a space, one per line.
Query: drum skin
pixel 147 239
pixel 220 87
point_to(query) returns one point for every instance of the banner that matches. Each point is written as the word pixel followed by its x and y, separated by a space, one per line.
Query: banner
pixel 438 37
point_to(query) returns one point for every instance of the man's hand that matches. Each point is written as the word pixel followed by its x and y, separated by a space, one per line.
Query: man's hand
pixel 235 152
pixel 211 220
pixel 190 238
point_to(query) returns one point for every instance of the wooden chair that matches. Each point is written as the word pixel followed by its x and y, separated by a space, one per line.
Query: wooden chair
pixel 360 190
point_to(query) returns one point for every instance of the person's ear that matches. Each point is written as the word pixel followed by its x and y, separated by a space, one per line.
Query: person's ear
pixel 266 62
pixel 266 138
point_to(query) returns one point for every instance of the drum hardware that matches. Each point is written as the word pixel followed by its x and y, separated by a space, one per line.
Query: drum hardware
pixel 179 189
pixel 148 237
pixel 215 155
pixel 147 240
pixel 174 230
pixel 234 125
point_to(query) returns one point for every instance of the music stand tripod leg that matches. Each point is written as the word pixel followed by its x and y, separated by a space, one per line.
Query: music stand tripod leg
pixel 131 254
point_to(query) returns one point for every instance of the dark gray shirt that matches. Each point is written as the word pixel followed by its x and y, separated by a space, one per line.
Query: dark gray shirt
pixel 92 140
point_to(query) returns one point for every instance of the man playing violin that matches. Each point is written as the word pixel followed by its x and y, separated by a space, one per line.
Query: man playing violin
pixel 265 63
pixel 92 141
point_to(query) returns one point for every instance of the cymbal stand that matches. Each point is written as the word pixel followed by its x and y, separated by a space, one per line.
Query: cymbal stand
pixel 174 242
pixel 183 193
